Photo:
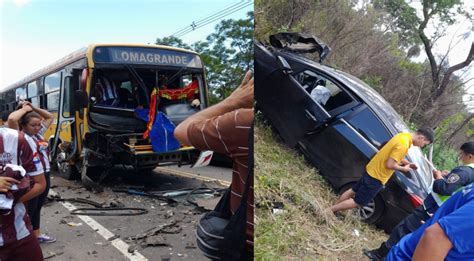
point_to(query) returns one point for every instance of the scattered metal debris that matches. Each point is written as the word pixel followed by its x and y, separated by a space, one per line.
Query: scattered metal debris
pixel 156 240
pixel 151 238
pixel 109 211
pixel 142 193
pixel 113 237
pixel 101 209
pixel 208 204
pixel 52 254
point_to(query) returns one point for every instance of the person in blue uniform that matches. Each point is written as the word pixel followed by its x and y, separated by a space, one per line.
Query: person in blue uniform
pixel 445 184
pixel 448 235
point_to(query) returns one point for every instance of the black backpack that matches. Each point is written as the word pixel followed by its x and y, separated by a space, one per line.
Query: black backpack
pixel 221 235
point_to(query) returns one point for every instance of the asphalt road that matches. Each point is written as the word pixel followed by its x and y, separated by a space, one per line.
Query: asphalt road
pixel 118 237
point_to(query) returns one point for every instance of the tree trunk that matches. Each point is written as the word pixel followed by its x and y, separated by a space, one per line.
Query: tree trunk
pixel 460 127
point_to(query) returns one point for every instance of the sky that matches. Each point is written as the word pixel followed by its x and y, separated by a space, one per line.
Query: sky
pixel 36 33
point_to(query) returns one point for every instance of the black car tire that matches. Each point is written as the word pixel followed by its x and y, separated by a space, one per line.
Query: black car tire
pixel 67 171
pixel 376 207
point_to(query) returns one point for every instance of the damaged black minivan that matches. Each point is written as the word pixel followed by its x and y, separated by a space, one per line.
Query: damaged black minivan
pixel 337 121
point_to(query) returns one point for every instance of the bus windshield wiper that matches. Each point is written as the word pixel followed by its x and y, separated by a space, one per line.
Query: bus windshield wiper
pixel 139 80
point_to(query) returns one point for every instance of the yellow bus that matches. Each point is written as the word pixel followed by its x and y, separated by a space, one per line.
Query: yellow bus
pixel 94 94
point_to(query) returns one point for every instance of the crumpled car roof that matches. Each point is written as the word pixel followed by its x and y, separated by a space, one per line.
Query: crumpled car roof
pixel 300 43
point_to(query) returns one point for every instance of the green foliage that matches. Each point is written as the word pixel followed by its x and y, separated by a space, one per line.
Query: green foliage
pixel 407 20
pixel 373 81
pixel 280 16
pixel 414 67
pixel 227 54
pixel 172 41
pixel 444 158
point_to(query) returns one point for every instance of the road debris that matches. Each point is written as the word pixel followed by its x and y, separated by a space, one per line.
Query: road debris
pixel 190 245
pixel 52 254
pixel 113 237
pixel 72 224
pixel 208 204
pixel 156 240
pixel 151 238
pixel 356 233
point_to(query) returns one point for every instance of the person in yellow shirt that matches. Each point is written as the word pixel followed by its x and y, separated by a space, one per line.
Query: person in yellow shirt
pixel 391 157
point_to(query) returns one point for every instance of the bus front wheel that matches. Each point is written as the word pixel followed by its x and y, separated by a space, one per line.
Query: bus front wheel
pixel 65 168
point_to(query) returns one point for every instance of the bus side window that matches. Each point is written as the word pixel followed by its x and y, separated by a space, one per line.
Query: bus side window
pixel 52 83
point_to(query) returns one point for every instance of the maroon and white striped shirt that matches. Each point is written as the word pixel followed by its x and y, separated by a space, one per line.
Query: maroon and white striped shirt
pixel 229 134
pixel 16 225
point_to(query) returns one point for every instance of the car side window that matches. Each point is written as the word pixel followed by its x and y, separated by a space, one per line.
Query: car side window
pixel 369 126
pixel 323 91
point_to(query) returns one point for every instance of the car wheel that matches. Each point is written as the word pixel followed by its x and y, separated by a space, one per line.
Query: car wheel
pixel 372 212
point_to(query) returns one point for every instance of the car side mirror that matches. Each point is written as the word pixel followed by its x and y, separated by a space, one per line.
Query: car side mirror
pixel 81 99
pixel 284 66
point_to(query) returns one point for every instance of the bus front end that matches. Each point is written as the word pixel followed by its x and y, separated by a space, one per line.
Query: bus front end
pixel 125 83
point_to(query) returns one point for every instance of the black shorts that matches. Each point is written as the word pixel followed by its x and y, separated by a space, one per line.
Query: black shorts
pixel 366 189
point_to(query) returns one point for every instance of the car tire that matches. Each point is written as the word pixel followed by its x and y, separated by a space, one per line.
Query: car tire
pixel 63 167
pixel 373 212
pixel 67 171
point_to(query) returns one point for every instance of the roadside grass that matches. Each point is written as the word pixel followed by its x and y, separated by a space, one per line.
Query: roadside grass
pixel 302 230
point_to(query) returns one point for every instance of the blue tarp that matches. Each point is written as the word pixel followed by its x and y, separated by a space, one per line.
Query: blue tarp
pixel 162 132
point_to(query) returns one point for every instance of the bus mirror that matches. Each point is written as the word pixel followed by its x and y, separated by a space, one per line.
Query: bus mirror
pixel 81 99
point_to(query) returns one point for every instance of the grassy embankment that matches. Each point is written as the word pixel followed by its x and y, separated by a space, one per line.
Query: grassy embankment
pixel 303 230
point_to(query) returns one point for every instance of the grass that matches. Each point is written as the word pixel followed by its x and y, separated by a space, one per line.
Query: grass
pixel 303 230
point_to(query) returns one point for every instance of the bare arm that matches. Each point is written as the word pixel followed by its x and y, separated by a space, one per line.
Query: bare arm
pixel 433 245
pixel 242 97
pixel 36 190
pixel 392 164
pixel 405 162
pixel 15 117
pixel 46 115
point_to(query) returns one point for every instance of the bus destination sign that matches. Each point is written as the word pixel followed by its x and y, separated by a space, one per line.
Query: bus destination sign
pixel 150 56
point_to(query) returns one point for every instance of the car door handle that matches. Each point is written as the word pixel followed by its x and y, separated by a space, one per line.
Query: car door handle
pixel 310 116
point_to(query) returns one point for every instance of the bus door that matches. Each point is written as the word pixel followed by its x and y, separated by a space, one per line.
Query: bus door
pixel 65 145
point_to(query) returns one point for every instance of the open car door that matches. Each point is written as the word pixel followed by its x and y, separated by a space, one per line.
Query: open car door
pixel 282 99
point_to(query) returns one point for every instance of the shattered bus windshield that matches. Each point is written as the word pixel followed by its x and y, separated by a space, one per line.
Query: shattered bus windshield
pixel 131 89
pixel 125 79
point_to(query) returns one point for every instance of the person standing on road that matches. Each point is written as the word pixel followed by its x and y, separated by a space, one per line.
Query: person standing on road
pixel 17 241
pixel 34 122
pixel 445 236
pixel 225 128
pixel 445 184
pixel 381 167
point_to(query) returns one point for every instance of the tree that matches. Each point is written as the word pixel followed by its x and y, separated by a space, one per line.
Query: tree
pixel 172 41
pixel 411 28
pixel 227 54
